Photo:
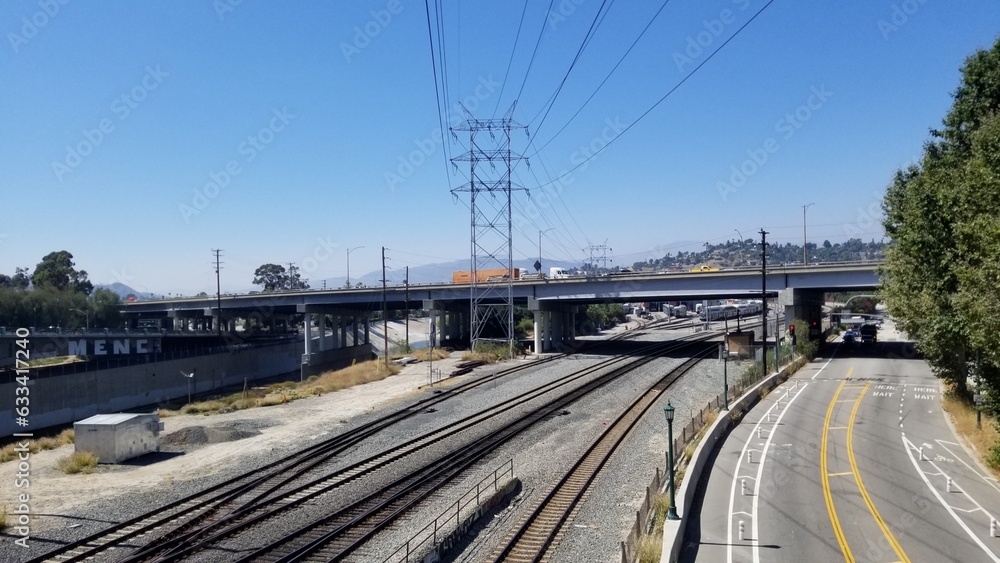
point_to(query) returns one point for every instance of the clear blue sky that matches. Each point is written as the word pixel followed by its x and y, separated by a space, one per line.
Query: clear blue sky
pixel 338 94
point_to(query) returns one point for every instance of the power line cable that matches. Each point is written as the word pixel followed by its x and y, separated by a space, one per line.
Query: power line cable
pixel 583 45
pixel 601 85
pixel 511 59
pixel 437 95
pixel 534 51
pixel 665 96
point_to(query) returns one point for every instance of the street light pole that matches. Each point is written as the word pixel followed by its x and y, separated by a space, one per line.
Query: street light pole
pixel 668 411
pixel 805 256
pixel 349 251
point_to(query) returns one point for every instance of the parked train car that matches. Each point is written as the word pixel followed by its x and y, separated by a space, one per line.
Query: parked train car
pixel 680 311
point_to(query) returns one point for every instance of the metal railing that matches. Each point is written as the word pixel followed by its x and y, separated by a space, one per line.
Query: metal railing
pixel 428 535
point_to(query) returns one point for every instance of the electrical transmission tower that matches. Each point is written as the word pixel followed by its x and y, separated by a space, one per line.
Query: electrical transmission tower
pixel 490 164
pixel 602 257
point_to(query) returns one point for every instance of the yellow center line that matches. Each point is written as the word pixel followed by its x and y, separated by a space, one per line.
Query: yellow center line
pixel 861 486
pixel 824 473
pixel 840 474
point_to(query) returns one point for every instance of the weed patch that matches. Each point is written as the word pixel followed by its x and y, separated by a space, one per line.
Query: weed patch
pixel 79 462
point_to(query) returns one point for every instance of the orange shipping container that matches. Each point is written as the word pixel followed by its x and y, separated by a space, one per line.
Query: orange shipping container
pixel 482 276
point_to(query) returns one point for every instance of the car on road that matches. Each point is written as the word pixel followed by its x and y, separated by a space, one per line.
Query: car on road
pixel 851 337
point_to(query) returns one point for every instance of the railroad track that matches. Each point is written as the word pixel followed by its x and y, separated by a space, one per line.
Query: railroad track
pixel 212 503
pixel 341 532
pixel 533 539
pixel 163 530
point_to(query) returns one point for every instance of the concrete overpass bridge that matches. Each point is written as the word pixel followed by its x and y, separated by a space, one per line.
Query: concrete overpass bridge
pixel 555 302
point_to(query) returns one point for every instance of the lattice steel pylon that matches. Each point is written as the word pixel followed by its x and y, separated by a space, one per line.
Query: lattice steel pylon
pixel 492 264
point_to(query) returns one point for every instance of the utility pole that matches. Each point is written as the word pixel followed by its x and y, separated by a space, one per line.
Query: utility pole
pixel 406 282
pixel 385 315
pixel 805 256
pixel 218 291
pixel 763 295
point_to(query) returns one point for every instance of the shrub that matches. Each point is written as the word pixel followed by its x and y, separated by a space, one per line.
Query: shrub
pixel 79 462
pixel 491 352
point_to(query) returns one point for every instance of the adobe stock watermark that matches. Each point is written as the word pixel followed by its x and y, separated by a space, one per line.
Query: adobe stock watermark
pixel 546 196
pixel 224 7
pixel 122 107
pixel 249 149
pixel 898 17
pixel 407 165
pixel 697 44
pixel 364 35
pixel 786 127
pixel 31 26
pixel 562 11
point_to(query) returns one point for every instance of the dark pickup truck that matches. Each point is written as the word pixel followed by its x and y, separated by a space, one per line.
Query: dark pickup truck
pixel 869 334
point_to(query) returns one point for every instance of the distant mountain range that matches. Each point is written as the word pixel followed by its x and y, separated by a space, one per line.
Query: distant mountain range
pixel 123 290
pixel 430 273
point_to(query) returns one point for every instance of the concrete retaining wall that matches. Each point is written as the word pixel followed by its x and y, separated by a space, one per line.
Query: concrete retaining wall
pixel 69 398
pixel 673 530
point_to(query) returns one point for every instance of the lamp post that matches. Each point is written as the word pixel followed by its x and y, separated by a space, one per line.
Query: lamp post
pixel 190 378
pixel 540 233
pixel 86 315
pixel 349 251
pixel 805 256
pixel 668 411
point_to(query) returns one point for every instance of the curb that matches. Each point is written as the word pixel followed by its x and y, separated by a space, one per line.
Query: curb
pixel 673 530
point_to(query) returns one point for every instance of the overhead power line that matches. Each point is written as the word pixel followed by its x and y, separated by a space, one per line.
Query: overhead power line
pixel 601 85
pixel 511 59
pixel 664 97
pixel 535 50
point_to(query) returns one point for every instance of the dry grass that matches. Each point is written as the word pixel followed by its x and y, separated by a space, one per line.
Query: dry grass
pixel 425 353
pixel 491 352
pixel 3 518
pixel 54 360
pixel 283 392
pixel 650 547
pixel 8 452
pixel 985 441
pixel 79 462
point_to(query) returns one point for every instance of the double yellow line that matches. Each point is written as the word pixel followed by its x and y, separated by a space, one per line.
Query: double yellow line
pixel 824 472
pixel 861 486
pixel 828 495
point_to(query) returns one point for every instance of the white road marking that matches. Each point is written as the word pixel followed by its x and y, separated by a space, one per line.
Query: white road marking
pixel 991 481
pixel 739 464
pixel 908 446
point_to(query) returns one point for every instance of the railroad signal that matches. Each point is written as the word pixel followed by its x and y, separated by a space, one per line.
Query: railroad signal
pixel 791 332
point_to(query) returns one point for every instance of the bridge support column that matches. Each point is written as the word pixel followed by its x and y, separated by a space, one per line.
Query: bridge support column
pixel 321 329
pixel 557 330
pixel 307 330
pixel 547 330
pixel 572 326
pixel 801 304
pixel 538 331
pixel 368 322
pixel 341 329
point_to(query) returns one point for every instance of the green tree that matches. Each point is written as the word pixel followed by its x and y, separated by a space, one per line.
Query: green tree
pixel 270 277
pixel 106 309
pixel 57 270
pixel 942 270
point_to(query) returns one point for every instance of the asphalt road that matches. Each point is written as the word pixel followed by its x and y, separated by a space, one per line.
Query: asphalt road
pixel 851 459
